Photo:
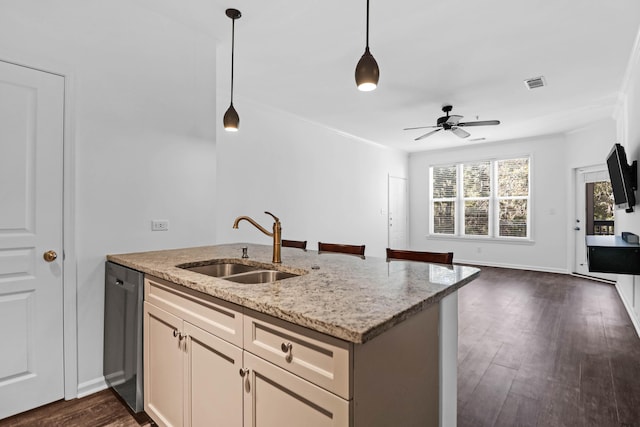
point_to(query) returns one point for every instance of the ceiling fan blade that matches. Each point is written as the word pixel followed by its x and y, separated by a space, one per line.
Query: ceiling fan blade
pixel 453 120
pixel 459 132
pixel 481 123
pixel 421 127
pixel 427 134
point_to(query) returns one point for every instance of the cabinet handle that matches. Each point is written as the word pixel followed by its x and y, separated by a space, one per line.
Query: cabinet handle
pixel 179 335
pixel 243 372
pixel 286 348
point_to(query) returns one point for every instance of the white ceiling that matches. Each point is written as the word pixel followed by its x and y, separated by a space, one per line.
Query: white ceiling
pixel 300 55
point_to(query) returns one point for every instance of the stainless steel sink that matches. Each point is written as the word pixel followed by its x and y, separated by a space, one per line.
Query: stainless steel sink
pixel 238 272
pixel 221 270
pixel 261 276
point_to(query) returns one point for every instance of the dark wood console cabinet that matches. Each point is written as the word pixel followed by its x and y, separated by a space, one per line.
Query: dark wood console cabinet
pixel 611 254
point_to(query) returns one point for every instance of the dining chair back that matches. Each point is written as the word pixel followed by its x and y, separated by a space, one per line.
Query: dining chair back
pixel 357 250
pixel 434 257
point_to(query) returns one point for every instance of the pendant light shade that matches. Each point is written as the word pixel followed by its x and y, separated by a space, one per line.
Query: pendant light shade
pixel 367 71
pixel 231 120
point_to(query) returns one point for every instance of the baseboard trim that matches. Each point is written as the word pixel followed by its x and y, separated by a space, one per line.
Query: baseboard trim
pixel 512 266
pixel 629 308
pixel 92 386
pixel 597 279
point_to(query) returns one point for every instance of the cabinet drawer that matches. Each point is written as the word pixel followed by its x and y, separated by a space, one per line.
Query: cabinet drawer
pixel 220 318
pixel 322 360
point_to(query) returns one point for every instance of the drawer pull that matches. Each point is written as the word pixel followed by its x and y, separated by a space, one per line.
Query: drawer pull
pixel 286 348
pixel 243 372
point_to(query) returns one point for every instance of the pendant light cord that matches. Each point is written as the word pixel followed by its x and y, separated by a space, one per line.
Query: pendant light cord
pixel 367 25
pixel 233 33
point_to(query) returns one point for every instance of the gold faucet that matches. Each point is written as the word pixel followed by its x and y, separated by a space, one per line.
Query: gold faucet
pixel 277 233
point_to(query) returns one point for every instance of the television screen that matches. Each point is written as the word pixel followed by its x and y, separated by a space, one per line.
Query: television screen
pixel 622 179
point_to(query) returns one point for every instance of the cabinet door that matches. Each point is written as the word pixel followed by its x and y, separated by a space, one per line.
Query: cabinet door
pixel 275 397
pixel 163 367
pixel 214 386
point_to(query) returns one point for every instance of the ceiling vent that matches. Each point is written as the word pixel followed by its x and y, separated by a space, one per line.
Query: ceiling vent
pixel 535 82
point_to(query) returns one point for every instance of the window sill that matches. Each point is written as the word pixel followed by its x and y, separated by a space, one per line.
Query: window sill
pixel 507 240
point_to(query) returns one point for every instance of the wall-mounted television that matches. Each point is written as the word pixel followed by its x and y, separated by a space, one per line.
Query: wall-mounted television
pixel 624 178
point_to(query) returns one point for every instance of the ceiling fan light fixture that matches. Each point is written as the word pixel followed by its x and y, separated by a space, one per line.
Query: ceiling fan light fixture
pixel 231 120
pixel 453 124
pixel 367 72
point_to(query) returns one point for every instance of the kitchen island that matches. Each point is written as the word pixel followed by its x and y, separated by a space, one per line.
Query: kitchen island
pixel 392 324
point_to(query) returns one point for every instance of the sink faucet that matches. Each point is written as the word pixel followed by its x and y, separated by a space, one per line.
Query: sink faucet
pixel 277 233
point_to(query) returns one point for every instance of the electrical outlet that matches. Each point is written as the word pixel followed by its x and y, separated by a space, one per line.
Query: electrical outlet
pixel 159 225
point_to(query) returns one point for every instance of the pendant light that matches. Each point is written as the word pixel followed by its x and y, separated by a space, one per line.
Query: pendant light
pixel 231 119
pixel 367 71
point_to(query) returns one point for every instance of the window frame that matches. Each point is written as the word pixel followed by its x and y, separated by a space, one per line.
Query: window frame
pixel 494 202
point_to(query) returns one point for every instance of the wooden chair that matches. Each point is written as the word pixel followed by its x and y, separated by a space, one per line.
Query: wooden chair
pixel 300 244
pixel 434 257
pixel 343 249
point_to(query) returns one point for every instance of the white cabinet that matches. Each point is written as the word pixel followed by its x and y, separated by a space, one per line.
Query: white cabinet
pixel 211 363
pixel 191 376
pixel 275 397
pixel 213 396
pixel 163 367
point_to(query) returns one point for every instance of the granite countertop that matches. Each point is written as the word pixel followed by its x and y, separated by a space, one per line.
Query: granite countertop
pixel 345 296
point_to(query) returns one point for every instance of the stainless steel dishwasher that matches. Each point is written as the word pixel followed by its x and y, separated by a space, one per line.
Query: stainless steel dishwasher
pixel 122 356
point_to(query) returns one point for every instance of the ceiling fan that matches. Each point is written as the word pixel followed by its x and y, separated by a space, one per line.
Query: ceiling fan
pixel 453 124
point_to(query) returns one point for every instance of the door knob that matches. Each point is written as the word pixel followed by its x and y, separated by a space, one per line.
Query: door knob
pixel 50 256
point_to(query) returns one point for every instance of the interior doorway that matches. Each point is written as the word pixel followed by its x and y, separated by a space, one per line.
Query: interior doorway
pixel 397 223
pixel 595 214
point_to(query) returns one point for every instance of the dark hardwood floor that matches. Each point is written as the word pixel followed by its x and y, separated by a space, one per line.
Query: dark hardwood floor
pixel 542 349
pixel 535 349
pixel 97 410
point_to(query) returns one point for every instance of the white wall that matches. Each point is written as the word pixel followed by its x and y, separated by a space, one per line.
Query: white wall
pixel 629 136
pixel 322 184
pixel 549 206
pixel 143 103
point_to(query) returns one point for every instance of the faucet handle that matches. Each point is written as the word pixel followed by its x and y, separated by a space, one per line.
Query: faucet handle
pixel 275 218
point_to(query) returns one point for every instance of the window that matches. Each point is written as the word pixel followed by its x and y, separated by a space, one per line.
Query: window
pixel 600 209
pixel 486 198
pixel 444 198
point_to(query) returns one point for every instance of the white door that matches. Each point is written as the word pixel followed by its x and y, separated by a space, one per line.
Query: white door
pixel 398 220
pixel 591 214
pixel 31 335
